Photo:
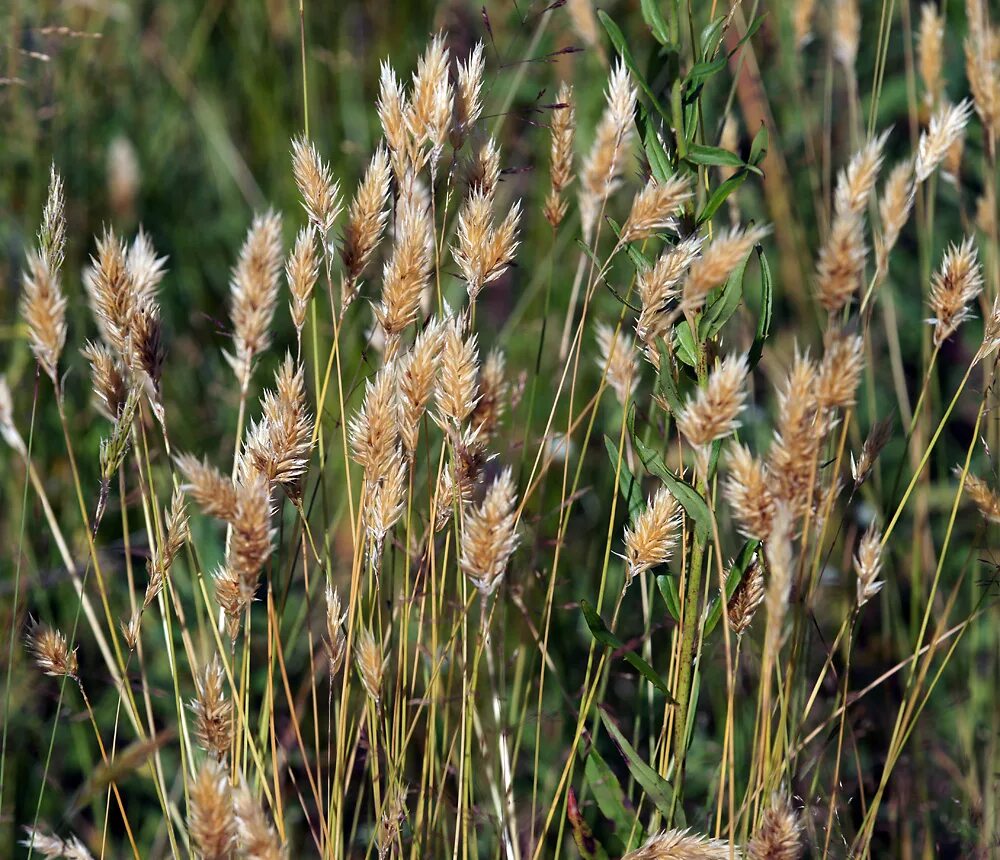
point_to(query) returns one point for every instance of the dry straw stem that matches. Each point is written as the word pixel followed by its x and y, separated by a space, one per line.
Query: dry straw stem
pixel 301 273
pixel 929 51
pixel 945 128
pixel 868 565
pixel 654 208
pixel 953 288
pixel 489 535
pixel 48 845
pixel 254 293
pixel 257 837
pixel 748 492
pixel 711 413
pixel 563 129
pixel 211 819
pixel 320 193
pixel 616 358
pixel 651 539
pixel 726 251
pixel 52 652
pixel 983 497
pixel 683 845
pixel 779 834
pixel 213 712
pixel 483 252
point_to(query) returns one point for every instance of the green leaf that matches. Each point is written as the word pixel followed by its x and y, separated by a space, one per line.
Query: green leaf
pixel 713 156
pixel 618 40
pixel 710 37
pixel 641 262
pixel 654 20
pixel 657 789
pixel 755 25
pixel 701 72
pixel 668 591
pixel 733 579
pixel 758 149
pixel 684 345
pixel 723 304
pixel 665 387
pixel 611 799
pixel 766 311
pixel 602 634
pixel 659 161
pixel 628 485
pixel 721 192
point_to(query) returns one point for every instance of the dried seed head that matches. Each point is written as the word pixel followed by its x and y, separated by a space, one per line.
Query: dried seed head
pixel 211 820
pixel 370 664
pixel 651 539
pixel 384 502
pixel 616 360
pixel 953 288
pixel 846 32
pixel 457 388
pixel 107 379
pixel 654 208
pixel 468 95
pixel 657 288
pixel 946 126
pixel 8 430
pixel 841 262
pixel 392 110
pixel 983 497
pixel 718 260
pixel 856 181
pixel 868 565
pixel 748 492
pixel 563 128
pixel 483 252
pixel 489 535
pixel 493 391
pixel 840 371
pixel 48 845
pixel 374 430
pixel 366 218
pixel 336 641
pixel 257 837
pixel 43 307
pixel 213 712
pixel 876 440
pixel 417 377
pixel 802 16
pixel 711 413
pixel 746 599
pixel 301 272
pixel 929 51
pixel 254 292
pixel 176 534
pixel 429 113
pixel 797 437
pixel 320 193
pixel 778 836
pixel 51 651
pixel 778 548
pixel 392 817
pixel 212 490
pixel 991 334
pixel 483 172
pixel 982 66
pixel 681 845
pixel 252 535
pixel 894 210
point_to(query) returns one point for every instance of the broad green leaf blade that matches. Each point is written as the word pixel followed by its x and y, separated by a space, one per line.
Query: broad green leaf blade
pixel 620 45
pixel 628 484
pixel 611 799
pixel 684 344
pixel 722 303
pixel 719 195
pixel 714 156
pixel 654 20
pixel 766 310
pixel 665 387
pixel 668 591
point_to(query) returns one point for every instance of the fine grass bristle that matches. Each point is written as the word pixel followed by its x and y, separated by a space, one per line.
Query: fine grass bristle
pixel 681 845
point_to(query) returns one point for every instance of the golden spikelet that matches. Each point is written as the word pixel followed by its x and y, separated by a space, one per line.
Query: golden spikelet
pixel 392 110
pixel 748 492
pixel 211 819
pixel 429 113
pixel 257 837
pixel 483 172
pixel 52 652
pixel 929 51
pixel 616 360
pixel 846 33
pixel 107 378
pixel 489 534
pixel 778 549
pixel 856 181
pixel 250 546
pixel 982 67
pixel 657 288
pixel 868 565
pixel 954 286
pixel 457 389
pixel 654 208
pixel 711 413
pixel 176 534
pixel 841 263
pixel 374 430
pixel 493 391
pixel 682 845
pixel 213 712
pixel 651 539
pixel 336 641
pixel 320 193
pixel 983 497
pixel 877 438
pixel 254 293
pixel 779 834
pixel 47 845
pixel 212 490
pixel 483 252
pixel 991 334
pixel 840 371
pixel 802 18
pixel 946 126
pixel 370 664
pixel 366 219
pixel 468 95
pixel 894 210
pixel 384 502
pixel 717 261
pixel 796 439
pixel 563 129
pixel 301 272
pixel 746 599
pixel 417 376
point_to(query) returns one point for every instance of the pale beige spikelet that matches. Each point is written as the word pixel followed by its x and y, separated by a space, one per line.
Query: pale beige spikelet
pixel 894 209
pixel 779 834
pixel 802 20
pixel 51 651
pixel 796 438
pixel 584 21
pixel 563 129
pixel 654 208
pixel 458 482
pixel 229 596
pixel 717 261
pixel 373 432
pixel 390 820
pixel 107 379
pixel 457 389
pixel 111 291
pixel 683 845
pixel 211 819
pixel 489 534
pixel 982 66
pixel 213 491
pixel 868 565
pixel 483 172
pixel 257 837
pixel 929 52
pixel 43 307
pixel 176 533
pixel 748 492
pixel 984 498
pixel 468 95
pixel 846 32
pixel 856 181
pixel 493 393
pixel 252 535
pixel 336 640
pixel 49 845
pixel 991 334
pixel 986 211
pixel 616 359
pixel 8 429
pixel 254 293
pixel 484 251
pixel 392 110
pixel 417 378
pixel 840 371
pixel 319 191
pixel 301 273
pixel 946 126
pixel 145 268
pixel 366 219
pixel 384 502
pixel 370 664
pixel 878 437
pixel 778 549
pixel 430 108
pixel 712 412
pixel 746 599
pixel 954 286
pixel 841 263
pixel 605 162
pixel 652 538
pixel 213 712
pixel 658 289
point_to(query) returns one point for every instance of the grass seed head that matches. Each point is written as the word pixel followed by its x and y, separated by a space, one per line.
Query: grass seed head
pixel 211 819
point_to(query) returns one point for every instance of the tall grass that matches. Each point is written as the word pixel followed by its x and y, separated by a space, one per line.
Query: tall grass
pixel 404 599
